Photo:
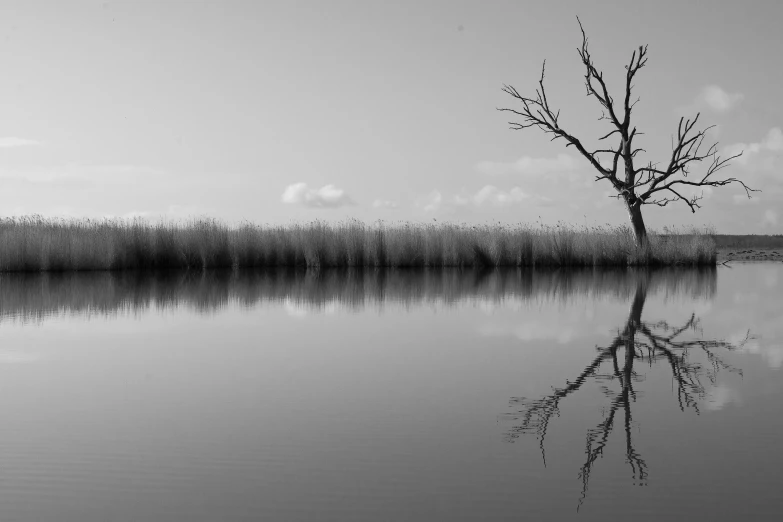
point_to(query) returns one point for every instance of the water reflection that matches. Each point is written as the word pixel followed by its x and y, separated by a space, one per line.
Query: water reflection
pixel 202 397
pixel 638 342
pixel 31 297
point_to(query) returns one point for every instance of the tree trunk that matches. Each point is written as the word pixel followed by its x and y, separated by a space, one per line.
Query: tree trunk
pixel 632 325
pixel 637 222
pixel 637 305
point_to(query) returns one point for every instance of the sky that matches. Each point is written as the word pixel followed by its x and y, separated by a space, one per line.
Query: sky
pixel 276 112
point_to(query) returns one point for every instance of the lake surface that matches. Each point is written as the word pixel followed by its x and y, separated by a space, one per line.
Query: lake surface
pixel 392 395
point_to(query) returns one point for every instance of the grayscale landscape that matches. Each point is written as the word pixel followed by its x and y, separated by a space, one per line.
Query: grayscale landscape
pixel 356 261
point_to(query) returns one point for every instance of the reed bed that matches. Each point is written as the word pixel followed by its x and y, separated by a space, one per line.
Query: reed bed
pixel 34 244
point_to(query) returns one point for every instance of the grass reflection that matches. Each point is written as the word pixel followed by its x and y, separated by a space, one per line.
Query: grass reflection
pixel 36 296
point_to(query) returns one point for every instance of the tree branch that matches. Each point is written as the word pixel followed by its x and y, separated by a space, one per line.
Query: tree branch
pixel 536 112
pixel 687 151
pixel 657 186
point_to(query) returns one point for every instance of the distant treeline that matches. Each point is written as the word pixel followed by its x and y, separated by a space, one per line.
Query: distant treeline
pixel 748 241
pixel 35 244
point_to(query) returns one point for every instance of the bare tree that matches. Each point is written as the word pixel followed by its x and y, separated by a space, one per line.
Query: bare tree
pixel 641 343
pixel 652 184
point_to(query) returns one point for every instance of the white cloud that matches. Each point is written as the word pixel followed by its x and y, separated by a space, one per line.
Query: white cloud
pixel 774 139
pixel 530 166
pixel 532 331
pixel 172 212
pixel 491 195
pixel 718 100
pixel 757 154
pixel 707 192
pixel 770 218
pixel 762 163
pixel 133 214
pixel 714 132
pixel 771 353
pixel 742 199
pixel 721 395
pixel 16 357
pixel 572 321
pixel 85 173
pixel 16 142
pixel 380 203
pixel 186 211
pixel 774 356
pixel 433 201
pixel 487 196
pixel 754 323
pixel 327 196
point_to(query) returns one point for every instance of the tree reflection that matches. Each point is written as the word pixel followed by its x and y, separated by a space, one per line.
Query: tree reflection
pixel 637 343
pixel 38 296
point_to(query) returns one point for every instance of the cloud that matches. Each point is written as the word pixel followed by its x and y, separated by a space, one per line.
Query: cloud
pixel 433 201
pixel 532 331
pixel 572 322
pixel 16 357
pixel 704 193
pixel 721 395
pixel 327 196
pixel 378 203
pixel 756 154
pixel 743 199
pixel 172 212
pixel 718 100
pixel 528 165
pixel 16 142
pixel 771 353
pixel 487 196
pixel 770 218
pixel 186 211
pixel 774 139
pixel 85 173
pixel 133 214
pixel 774 356
pixel 491 195
pixel 762 163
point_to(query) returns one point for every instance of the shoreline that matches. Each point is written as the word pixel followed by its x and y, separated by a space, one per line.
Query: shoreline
pixel 726 255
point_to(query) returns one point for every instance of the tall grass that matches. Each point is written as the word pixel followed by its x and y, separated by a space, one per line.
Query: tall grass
pixel 37 244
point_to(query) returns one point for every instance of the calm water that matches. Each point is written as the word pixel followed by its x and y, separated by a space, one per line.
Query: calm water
pixel 441 395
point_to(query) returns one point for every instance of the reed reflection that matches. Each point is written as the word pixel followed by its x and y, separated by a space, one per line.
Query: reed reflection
pixel 31 297
pixel 638 342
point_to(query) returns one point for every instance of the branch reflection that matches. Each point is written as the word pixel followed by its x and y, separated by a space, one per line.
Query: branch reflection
pixel 638 342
